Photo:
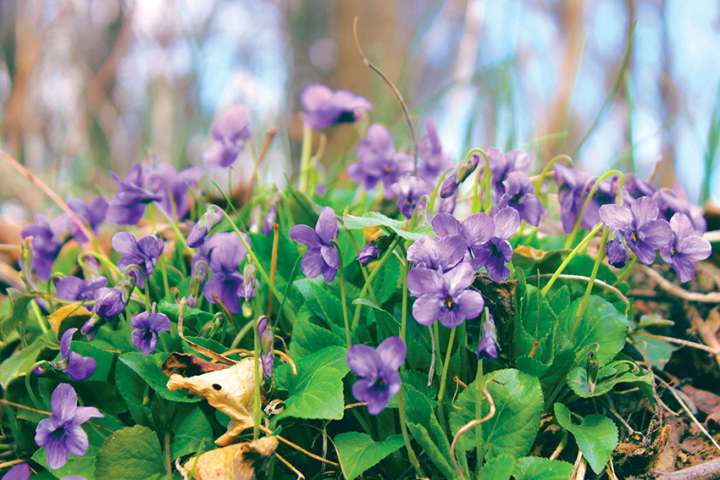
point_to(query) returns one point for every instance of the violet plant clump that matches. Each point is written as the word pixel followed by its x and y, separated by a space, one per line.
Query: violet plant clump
pixel 429 310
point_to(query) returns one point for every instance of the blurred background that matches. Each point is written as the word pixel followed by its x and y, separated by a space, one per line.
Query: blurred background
pixel 88 87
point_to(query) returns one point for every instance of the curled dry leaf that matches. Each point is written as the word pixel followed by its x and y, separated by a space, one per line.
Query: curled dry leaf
pixel 189 365
pixel 235 461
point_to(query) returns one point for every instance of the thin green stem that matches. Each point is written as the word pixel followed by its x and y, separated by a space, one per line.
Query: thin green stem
pixel 403 314
pixel 39 317
pixel 305 157
pixel 31 393
pixel 405 435
pixel 446 366
pixel 580 246
pixel 368 282
pixel 258 380
pixel 610 173
pixel 343 297
pixel 588 290
pixel 478 410
pixel 625 272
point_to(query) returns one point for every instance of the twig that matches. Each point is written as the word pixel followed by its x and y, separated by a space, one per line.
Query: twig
pixel 392 86
pixel 580 467
pixel 469 426
pixel 680 341
pixel 671 288
pixel 297 447
pixel 50 193
pixel 200 349
pixel 289 465
pixel 598 282
pixel 687 410
pixel 707 470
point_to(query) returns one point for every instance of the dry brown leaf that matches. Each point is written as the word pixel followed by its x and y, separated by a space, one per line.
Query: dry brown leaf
pixel 70 310
pixel 235 462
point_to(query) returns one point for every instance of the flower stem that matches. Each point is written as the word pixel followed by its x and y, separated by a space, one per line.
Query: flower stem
pixel 369 280
pixel 610 173
pixel 403 314
pixel 580 246
pixel 478 412
pixel 406 437
pixel 257 379
pixel 588 290
pixel 446 366
pixel 305 157
pixel 343 297
pixel 622 276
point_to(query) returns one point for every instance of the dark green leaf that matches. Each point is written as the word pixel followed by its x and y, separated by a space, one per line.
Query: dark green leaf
pixel 498 468
pixel 130 454
pixel 359 452
pixel 614 373
pixel 191 432
pixel 149 369
pixel 23 360
pixel 596 436
pixel 536 468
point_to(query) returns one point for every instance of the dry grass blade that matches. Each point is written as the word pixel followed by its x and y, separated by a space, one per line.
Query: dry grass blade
pixel 671 288
pixel 469 426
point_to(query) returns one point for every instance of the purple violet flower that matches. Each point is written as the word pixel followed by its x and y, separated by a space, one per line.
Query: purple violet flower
pixel 109 303
pixel 636 187
pixel 322 257
pixel 616 253
pixel 378 161
pixel 74 288
pixel 229 132
pixel 92 214
pixel 128 205
pixel 456 177
pixel 473 232
pixel 639 226
pixel 75 365
pixel 146 328
pixel 686 248
pixel 571 183
pixel 378 371
pixel 270 219
pixel 143 253
pixel 324 108
pixel 488 345
pixel 172 187
pixel 61 434
pixel 675 201
pixel 503 164
pixel 446 297
pixel 430 151
pixel 497 252
pixel 47 241
pixel 267 340
pixel 200 230
pixel 440 254
pixel 225 252
pixel 520 195
pixel 21 471
pixel 410 192
pixel 368 253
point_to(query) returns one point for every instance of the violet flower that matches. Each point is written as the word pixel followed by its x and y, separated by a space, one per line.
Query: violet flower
pixel 48 238
pixel 571 184
pixel 61 434
pixel 324 108
pixel 488 345
pixel 225 252
pixel 270 219
pixel 440 254
pixel 172 187
pixel 473 232
pixel 74 288
pixel 229 132
pixel 497 252
pixel 446 297
pixel 378 161
pixel 636 187
pixel 430 151
pixel 21 471
pixel 686 248
pixel 92 214
pixel 503 164
pixel 267 340
pixel 378 371
pixel 410 192
pixel 455 178
pixel 520 195
pixel 368 253
pixel 616 253
pixel 128 205
pixel 142 253
pixel 200 230
pixel 639 226
pixel 675 201
pixel 75 365
pixel 109 303
pixel 146 328
pixel 322 257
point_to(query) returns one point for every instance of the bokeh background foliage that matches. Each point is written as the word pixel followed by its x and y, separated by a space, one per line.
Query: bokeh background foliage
pixel 87 87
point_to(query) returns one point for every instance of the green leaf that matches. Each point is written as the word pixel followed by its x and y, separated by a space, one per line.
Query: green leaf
pixel 430 447
pixel 498 468
pixel 601 324
pixel 191 316
pixel 131 453
pixel 308 337
pixel 596 436
pixel 82 466
pixel 376 219
pixel 22 361
pixel 317 390
pixel 536 468
pixel 657 352
pixel 149 369
pixel 359 452
pixel 321 300
pixel 621 371
pixel 131 388
pixel 511 431
pixel 192 432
